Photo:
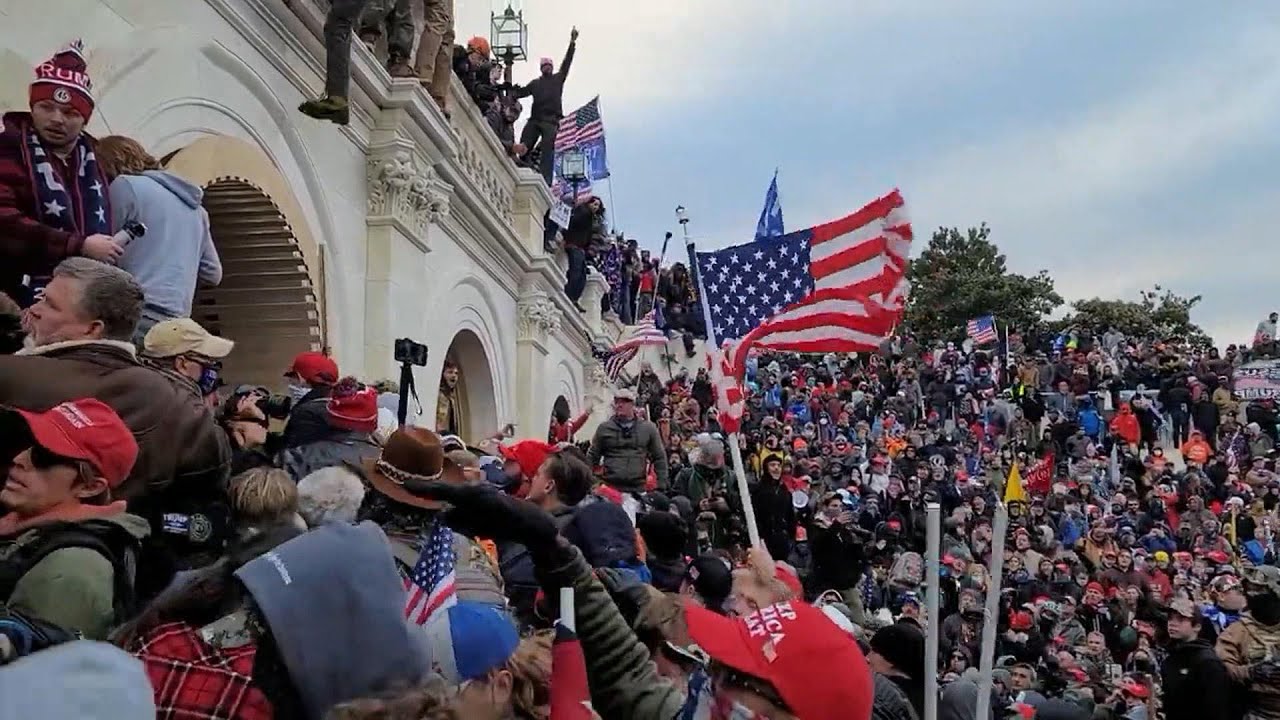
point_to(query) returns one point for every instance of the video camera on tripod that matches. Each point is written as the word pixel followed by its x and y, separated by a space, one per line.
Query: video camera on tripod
pixel 408 353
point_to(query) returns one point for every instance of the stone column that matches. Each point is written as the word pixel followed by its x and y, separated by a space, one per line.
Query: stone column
pixel 537 321
pixel 594 293
pixel 406 200
pixel 532 198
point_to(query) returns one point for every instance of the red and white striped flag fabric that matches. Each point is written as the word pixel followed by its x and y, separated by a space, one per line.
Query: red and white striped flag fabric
pixel 731 401
pixel 836 287
pixel 570 693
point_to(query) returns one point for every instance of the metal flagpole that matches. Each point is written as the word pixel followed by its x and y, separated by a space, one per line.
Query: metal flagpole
pixel 990 614
pixel 735 452
pixel 933 562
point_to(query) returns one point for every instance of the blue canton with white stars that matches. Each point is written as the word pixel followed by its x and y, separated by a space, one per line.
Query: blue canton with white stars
pixel 436 561
pixel 748 284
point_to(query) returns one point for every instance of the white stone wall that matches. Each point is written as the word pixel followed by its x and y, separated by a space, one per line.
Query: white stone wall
pixel 460 250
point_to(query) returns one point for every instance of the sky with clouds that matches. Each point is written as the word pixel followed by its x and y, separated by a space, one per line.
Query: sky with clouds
pixel 1116 145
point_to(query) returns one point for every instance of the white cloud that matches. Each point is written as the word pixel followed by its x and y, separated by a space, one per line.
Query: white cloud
pixel 1077 196
pixel 651 57
pixel 1176 128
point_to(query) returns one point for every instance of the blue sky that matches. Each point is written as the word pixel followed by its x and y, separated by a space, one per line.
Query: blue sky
pixel 1114 144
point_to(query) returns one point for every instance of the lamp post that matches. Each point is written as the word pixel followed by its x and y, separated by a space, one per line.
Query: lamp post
pixel 508 34
pixel 573 166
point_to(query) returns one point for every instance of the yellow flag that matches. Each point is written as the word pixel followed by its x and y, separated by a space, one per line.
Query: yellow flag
pixel 1013 488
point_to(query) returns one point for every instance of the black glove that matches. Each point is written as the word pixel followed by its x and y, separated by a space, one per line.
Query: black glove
pixel 483 511
pixel 1264 673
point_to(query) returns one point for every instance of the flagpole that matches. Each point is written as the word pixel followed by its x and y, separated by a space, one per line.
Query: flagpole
pixel 933 561
pixel 990 614
pixel 735 452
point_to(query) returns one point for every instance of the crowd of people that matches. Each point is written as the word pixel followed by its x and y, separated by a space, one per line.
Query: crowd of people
pixel 175 545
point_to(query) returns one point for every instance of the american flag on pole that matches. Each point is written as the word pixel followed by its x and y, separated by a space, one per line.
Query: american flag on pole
pixel 583 127
pixel 614 360
pixel 836 287
pixel 643 333
pixel 982 330
pixel 432 583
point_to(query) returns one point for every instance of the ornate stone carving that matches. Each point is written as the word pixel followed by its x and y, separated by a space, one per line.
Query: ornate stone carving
pixel 399 188
pixel 470 157
pixel 597 379
pixel 538 316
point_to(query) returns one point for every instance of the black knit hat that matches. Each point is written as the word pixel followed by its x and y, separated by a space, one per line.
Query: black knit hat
pixel 902 645
pixel 712 578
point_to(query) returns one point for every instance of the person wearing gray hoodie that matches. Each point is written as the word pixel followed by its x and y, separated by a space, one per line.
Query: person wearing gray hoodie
pixel 177 250
pixel 82 680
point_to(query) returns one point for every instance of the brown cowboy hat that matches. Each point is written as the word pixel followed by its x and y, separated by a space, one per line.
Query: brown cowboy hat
pixel 411 456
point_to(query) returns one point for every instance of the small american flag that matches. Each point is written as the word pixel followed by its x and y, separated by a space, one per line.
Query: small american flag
pixel 614 360
pixel 583 127
pixel 982 330
pixel 432 584
pixel 645 332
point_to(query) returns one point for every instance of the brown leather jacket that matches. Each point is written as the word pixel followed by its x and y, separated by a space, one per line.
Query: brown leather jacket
pixel 178 439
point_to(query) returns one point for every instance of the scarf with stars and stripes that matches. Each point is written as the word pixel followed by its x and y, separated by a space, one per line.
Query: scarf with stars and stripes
pixel 83 208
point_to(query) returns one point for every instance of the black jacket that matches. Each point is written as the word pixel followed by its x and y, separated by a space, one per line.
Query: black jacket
pixel 1195 682
pixel 336 447
pixel 547 91
pixel 309 419
pixel 837 557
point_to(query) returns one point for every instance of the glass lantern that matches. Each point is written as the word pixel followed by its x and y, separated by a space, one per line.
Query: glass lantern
pixel 508 33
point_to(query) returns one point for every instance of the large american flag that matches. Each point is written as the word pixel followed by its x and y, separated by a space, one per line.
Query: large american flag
pixel 432 583
pixel 582 127
pixel 836 287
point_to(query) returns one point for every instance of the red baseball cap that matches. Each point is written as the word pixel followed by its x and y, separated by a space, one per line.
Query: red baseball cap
pixel 314 367
pixel 87 430
pixel 788 645
pixel 529 454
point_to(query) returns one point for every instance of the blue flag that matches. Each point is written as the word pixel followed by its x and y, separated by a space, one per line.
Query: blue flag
pixel 770 224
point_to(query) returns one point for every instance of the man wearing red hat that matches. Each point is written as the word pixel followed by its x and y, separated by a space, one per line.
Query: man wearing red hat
pixel 66 540
pixel 53 195
pixel 311 379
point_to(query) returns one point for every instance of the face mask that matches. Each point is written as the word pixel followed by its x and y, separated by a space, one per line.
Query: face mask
pixel 297 392
pixel 208 381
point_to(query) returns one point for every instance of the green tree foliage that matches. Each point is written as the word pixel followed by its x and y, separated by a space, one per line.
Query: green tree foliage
pixel 961 276
pixel 1158 311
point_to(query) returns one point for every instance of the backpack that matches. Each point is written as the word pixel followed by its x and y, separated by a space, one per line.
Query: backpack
pixel 107 539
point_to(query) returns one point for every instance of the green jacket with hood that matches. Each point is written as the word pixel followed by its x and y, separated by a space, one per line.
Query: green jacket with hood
pixel 625 684
pixel 72 587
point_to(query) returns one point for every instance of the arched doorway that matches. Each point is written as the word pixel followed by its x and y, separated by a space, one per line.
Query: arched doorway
pixel 265 302
pixel 271 299
pixel 475 396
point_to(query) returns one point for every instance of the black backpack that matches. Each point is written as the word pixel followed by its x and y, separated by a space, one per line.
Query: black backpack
pixel 108 539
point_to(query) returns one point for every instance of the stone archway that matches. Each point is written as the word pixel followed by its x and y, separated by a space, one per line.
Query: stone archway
pixel 476 397
pixel 271 299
